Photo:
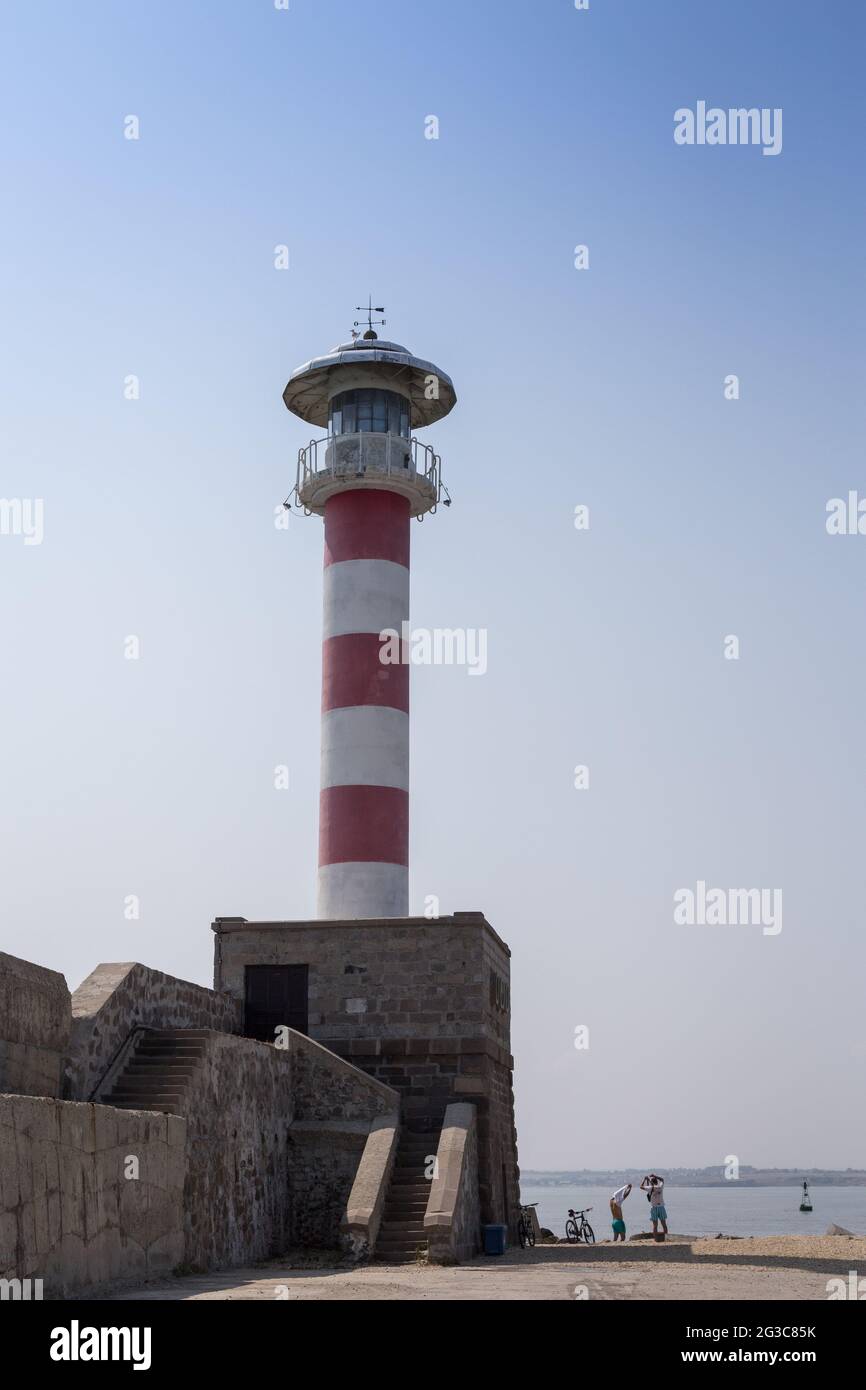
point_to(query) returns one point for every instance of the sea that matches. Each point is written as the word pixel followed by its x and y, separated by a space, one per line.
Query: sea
pixel 709 1211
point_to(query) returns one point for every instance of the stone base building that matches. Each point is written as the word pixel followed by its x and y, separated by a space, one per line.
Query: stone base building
pixel 423 1005
pixel 345 1085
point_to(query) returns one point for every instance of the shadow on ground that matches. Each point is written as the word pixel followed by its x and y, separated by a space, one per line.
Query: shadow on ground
pixel 677 1251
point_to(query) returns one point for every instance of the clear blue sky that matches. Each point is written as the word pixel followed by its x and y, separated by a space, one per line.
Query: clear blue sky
pixel 603 387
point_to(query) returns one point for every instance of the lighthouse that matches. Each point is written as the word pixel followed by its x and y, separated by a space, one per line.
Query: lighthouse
pixel 368 477
pixel 423 1004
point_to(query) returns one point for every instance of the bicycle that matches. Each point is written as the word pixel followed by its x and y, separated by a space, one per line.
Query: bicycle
pixel 526 1226
pixel 578 1229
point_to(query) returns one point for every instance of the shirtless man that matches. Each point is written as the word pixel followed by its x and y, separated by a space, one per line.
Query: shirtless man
pixel 655 1186
pixel 616 1202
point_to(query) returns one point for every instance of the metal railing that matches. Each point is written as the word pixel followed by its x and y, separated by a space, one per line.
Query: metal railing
pixel 126 1045
pixel 369 454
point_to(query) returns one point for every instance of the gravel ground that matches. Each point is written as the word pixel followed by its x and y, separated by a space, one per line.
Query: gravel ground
pixel 762 1268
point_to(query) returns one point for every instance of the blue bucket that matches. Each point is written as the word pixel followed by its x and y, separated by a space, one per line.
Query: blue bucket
pixel 494 1238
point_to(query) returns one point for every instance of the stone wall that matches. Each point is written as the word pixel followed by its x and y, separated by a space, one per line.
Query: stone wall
pixel 238 1108
pixel 466 1222
pixel 263 1157
pixel 115 998
pixel 366 1204
pixel 322 1168
pixel 328 1088
pixel 336 1105
pixel 452 1221
pixel 275 1136
pixel 69 1214
pixel 384 978
pixel 35 1022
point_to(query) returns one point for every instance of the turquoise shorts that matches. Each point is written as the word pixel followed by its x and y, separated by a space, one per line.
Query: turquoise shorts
pixel 658 1214
pixel 618 1228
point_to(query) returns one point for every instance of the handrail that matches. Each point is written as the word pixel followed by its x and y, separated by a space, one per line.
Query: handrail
pixel 130 1036
pixel 415 458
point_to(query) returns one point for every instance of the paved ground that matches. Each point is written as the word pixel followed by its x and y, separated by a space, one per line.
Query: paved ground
pixel 796 1267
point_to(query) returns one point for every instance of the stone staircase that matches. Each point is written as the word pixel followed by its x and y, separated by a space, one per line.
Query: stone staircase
pixel 157 1072
pixel 401 1238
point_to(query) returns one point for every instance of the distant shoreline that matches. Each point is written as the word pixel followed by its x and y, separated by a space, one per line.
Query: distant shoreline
pixel 699 1177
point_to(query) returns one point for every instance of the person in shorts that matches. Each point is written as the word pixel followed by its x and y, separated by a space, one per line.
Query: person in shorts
pixel 616 1202
pixel 654 1187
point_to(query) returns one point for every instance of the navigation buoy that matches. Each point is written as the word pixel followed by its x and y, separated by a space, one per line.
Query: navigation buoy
pixel 806 1202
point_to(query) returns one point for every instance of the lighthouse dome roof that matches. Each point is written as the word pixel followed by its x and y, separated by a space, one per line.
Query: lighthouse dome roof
pixel 368 360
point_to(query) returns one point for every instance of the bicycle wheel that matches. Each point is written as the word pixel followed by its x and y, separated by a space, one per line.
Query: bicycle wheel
pixel 588 1233
pixel 571 1230
pixel 530 1233
pixel 521 1233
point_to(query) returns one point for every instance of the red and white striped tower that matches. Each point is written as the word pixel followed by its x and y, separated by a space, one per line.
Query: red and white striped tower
pixel 368 477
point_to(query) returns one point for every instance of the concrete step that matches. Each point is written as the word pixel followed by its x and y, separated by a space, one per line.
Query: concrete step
pixel 173 1040
pixel 158 1072
pixel 179 1069
pixel 156 1084
pixel 182 1057
pixel 145 1097
pixel 402 1238
pixel 167 1058
pixel 154 1073
pixel 180 1072
pixel 147 1079
pixel 139 1097
pixel 181 1033
pixel 170 1050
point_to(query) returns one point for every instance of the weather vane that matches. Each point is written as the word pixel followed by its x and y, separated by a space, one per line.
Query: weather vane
pixel 370 309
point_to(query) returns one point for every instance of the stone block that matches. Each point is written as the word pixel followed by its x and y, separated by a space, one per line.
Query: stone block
pixel 35 1023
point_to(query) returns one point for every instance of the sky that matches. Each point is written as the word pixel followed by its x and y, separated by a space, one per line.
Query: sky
pixel 602 387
